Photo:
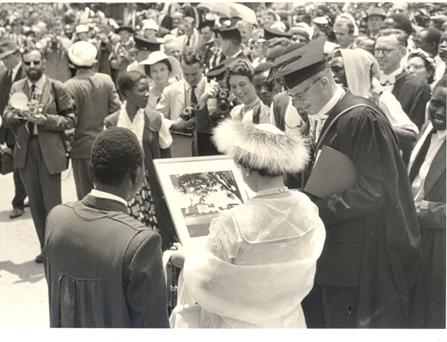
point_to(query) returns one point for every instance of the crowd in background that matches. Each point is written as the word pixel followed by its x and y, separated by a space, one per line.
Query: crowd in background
pixel 171 72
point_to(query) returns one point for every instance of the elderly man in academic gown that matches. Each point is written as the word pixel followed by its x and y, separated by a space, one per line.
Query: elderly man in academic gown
pixel 372 251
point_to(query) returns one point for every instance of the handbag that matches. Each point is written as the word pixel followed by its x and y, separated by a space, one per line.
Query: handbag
pixel 6 161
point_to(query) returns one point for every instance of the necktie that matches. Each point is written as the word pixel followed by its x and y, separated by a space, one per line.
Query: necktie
pixel 33 92
pixel 8 81
pixel 194 101
pixel 419 160
pixel 32 127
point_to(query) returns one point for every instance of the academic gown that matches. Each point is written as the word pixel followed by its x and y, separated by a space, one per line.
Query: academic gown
pixel 373 246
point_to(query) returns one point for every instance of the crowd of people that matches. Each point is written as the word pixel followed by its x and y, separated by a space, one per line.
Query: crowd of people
pixel 109 88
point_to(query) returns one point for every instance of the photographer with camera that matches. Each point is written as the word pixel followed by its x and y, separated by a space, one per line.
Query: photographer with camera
pixel 56 57
pixel 184 103
pixel 39 153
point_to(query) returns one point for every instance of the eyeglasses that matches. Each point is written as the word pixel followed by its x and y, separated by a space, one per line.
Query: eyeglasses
pixel 385 51
pixel 28 63
pixel 300 96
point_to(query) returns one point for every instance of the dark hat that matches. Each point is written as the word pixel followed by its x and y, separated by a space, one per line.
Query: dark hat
pixel 403 22
pixel 309 61
pixel 7 47
pixel 124 28
pixel 217 72
pixel 146 44
pixel 376 11
pixel 270 33
pixel 207 23
pixel 230 33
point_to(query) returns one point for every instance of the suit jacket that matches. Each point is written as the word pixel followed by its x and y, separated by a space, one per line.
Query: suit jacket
pixel 413 94
pixel 6 135
pixel 103 268
pixel 196 41
pixel 433 213
pixel 60 112
pixel 95 97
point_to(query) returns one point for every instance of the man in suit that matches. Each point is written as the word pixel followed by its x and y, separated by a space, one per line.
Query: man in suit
pixel 39 153
pixel 95 97
pixel 231 42
pixel 427 175
pixel 103 267
pixel 190 92
pixel 10 56
pixel 191 40
pixel 412 93
pixel 368 265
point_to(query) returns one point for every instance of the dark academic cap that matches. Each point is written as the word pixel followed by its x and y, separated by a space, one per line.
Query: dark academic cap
pixel 124 28
pixel 270 33
pixel 230 33
pixel 147 44
pixel 307 61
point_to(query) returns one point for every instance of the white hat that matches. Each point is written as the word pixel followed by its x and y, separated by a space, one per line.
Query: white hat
pixel 157 56
pixel 150 24
pixel 82 29
pixel 261 147
pixel 82 54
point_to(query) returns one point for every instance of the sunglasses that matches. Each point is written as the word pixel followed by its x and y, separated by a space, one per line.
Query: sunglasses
pixel 28 63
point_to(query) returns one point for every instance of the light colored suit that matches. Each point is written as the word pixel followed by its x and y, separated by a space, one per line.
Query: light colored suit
pixel 174 100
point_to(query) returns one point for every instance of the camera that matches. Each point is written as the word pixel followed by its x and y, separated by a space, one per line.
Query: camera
pixel 223 106
pixel 187 113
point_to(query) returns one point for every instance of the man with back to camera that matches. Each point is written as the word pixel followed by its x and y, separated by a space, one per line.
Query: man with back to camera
pixel 95 97
pixel 372 229
pixel 103 267
pixel 39 153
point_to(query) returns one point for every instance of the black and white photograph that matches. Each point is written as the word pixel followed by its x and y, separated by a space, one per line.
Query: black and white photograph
pixel 234 165
pixel 201 196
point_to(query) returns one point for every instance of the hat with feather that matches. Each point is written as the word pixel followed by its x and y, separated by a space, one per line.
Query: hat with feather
pixel 261 147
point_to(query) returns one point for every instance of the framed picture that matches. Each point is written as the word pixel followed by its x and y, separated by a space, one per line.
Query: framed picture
pixel 196 189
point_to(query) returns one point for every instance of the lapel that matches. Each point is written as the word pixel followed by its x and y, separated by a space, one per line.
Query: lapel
pixel 103 204
pixel 18 75
pixel 437 168
pixel 46 93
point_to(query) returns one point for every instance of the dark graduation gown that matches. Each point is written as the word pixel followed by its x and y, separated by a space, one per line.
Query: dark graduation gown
pixel 374 245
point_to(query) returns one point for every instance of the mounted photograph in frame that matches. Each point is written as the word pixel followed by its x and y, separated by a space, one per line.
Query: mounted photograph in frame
pixel 196 189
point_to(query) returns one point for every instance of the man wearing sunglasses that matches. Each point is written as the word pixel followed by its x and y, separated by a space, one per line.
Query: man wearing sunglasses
pixel 368 265
pixel 39 153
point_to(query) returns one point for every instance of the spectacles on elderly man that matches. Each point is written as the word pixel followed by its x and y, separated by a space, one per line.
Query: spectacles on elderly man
pixel 385 51
pixel 301 95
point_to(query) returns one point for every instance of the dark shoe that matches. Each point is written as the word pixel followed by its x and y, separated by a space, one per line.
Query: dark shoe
pixel 26 203
pixel 39 259
pixel 16 212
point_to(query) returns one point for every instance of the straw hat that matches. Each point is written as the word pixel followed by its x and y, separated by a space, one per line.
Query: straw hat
pixel 158 56
pixel 82 54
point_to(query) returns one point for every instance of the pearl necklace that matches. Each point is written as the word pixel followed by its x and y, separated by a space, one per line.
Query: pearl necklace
pixel 274 191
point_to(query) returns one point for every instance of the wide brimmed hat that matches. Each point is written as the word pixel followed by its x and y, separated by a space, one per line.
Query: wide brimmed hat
pixel 150 24
pixel 261 147
pixel 82 54
pixel 7 47
pixel 158 56
pixel 124 28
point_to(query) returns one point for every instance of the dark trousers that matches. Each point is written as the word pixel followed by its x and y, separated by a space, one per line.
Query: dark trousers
pixel 331 307
pixel 20 193
pixel 82 176
pixel 43 188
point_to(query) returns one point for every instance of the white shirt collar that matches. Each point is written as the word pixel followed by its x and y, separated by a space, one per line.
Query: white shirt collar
pixel 391 78
pixel 338 94
pixel 107 195
pixel 39 84
pixel 200 85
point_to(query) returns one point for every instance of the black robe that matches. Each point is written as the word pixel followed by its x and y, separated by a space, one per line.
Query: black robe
pixel 374 246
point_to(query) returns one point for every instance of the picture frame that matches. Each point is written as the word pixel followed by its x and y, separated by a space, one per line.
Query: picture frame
pixel 196 189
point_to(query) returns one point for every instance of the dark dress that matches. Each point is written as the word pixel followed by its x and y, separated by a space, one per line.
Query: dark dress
pixel 372 250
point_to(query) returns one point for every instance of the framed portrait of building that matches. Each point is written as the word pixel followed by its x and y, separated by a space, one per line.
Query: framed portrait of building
pixel 196 189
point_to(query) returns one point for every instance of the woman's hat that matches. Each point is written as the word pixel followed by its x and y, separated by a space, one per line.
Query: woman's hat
pixel 158 56
pixel 261 147
pixel 82 54
pixel 124 28
pixel 150 24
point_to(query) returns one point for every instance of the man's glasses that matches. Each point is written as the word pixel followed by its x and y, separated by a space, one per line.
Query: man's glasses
pixel 300 96
pixel 385 51
pixel 28 63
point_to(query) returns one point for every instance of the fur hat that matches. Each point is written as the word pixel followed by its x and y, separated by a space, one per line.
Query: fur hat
pixel 261 147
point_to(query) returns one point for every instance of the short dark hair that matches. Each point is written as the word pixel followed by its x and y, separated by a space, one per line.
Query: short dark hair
pixel 115 152
pixel 147 68
pixel 239 67
pixel 400 35
pixel 28 50
pixel 433 36
pixel 128 79
pixel 345 22
pixel 429 63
